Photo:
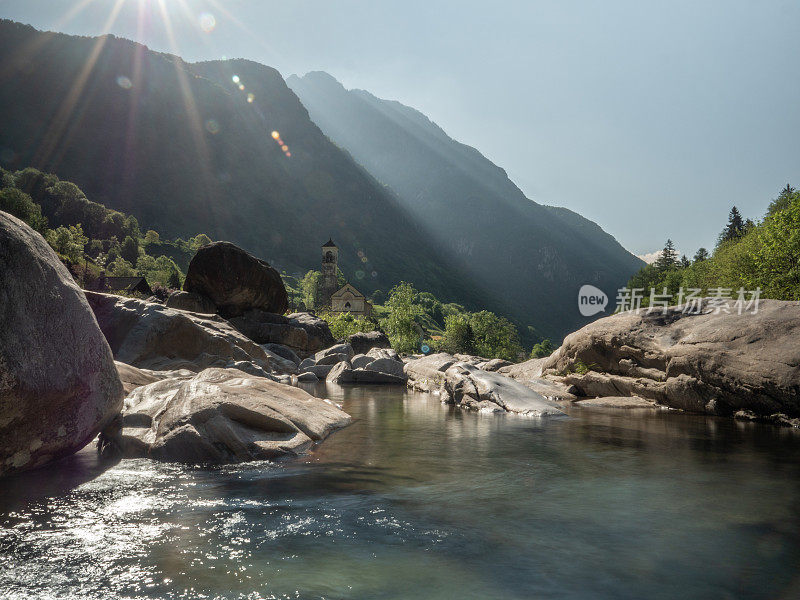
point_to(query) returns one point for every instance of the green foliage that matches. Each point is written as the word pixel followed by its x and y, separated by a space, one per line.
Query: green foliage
pixel 130 250
pixel 346 324
pixel 495 336
pixel 749 255
pixel 542 349
pixel 159 271
pixel 668 258
pixel 458 335
pixel 151 237
pixel 309 288
pixel 401 325
pixel 67 241
pixel 120 268
pixel 20 205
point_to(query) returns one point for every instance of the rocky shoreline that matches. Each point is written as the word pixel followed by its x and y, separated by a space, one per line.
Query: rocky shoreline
pixel 210 376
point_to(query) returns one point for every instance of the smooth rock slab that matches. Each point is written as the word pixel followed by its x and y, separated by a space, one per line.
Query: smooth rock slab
pixel 224 416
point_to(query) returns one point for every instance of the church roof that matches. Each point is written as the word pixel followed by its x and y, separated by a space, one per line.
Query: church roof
pixel 329 244
pixel 347 287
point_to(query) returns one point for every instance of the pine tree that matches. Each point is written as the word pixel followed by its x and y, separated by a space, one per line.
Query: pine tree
pixel 668 258
pixel 685 262
pixel 700 255
pixel 735 227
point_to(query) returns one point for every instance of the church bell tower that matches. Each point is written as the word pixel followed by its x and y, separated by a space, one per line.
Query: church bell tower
pixel 330 263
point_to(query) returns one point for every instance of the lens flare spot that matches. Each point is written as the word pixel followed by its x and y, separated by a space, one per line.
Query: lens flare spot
pixel 275 135
pixel 251 98
pixel 285 148
pixel 241 86
pixel 124 82
pixel 374 274
pixel 364 259
pixel 207 22
pixel 212 126
pixel 360 274
pixel 288 155
pixel 236 79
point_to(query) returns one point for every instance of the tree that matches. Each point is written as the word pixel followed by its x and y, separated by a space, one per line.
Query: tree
pixel 378 297
pixel 783 200
pixel 20 204
pixel 495 336
pixel 152 237
pixel 685 262
pixel 309 288
pixel 458 335
pixel 401 324
pixel 130 250
pixel 734 229
pixel 542 349
pixel 198 241
pixel 700 255
pixel 120 268
pixel 68 241
pixel 668 258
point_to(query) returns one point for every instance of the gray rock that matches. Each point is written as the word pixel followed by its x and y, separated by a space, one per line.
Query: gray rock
pixel 321 371
pixel 470 387
pixel 383 353
pixel 224 416
pixel 710 363
pixel 192 302
pixel 332 359
pixel 364 342
pixel 426 373
pixel 389 367
pixel 235 281
pixel 337 350
pixel 249 368
pixel 307 362
pixel 283 351
pixel 361 360
pixel 369 376
pixel 341 373
pixel 152 336
pixel 280 365
pixel 304 333
pixel 307 377
pixel 495 364
pixel 618 402
pixel 59 386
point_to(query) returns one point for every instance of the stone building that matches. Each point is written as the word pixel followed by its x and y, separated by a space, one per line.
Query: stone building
pixel 331 296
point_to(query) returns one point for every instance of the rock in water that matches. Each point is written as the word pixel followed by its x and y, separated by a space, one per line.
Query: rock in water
pixel 58 383
pixel 235 281
pixel 148 335
pixel 224 416
pixel 714 363
pixel 304 333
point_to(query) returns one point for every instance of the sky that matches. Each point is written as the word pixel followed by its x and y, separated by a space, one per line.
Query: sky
pixel 652 118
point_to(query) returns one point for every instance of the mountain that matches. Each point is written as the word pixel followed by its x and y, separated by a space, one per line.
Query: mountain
pixel 533 257
pixel 185 150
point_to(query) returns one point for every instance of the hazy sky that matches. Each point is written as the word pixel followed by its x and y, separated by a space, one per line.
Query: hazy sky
pixel 650 118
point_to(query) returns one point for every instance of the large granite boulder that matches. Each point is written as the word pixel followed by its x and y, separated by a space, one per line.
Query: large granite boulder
pixel 364 342
pixel 192 302
pixel 476 389
pixel 224 416
pixel 58 384
pixel 304 333
pixel 148 335
pixel 426 373
pixel 714 363
pixel 235 280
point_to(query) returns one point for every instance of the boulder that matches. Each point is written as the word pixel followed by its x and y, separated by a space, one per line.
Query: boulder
pixel 306 362
pixel 341 373
pixel 364 342
pixel 283 351
pixel 133 377
pixel 474 388
pixel 321 371
pixel 235 280
pixel 384 353
pixel 713 363
pixel 388 367
pixel 618 402
pixel 279 364
pixel 59 386
pixel 495 364
pixel 304 333
pixel 192 302
pixel 224 416
pixel 307 377
pixel 426 373
pixel 361 360
pixel 332 359
pixel 337 350
pixel 151 336
pixel 369 376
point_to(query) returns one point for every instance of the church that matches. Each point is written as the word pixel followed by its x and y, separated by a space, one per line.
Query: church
pixel 339 299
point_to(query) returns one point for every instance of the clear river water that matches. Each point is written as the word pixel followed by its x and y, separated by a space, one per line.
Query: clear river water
pixel 419 500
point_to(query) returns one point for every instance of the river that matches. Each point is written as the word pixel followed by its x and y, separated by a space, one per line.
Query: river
pixel 419 500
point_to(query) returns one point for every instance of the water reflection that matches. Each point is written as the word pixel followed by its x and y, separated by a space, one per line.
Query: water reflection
pixel 420 500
